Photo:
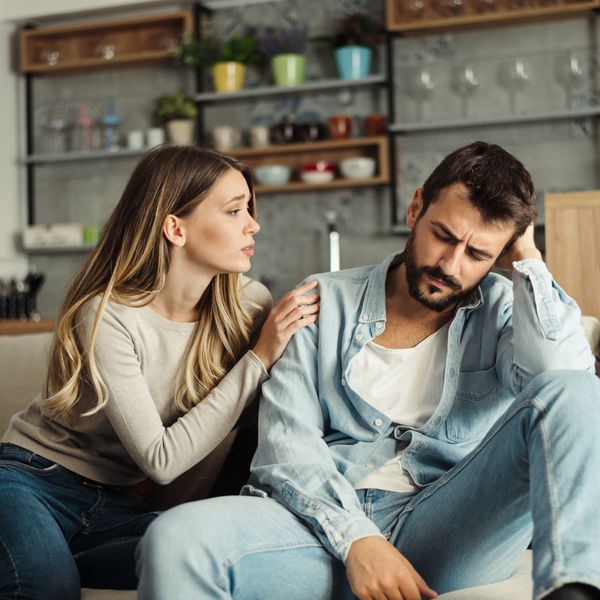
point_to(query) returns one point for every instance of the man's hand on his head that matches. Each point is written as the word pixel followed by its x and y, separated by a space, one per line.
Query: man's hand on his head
pixel 376 570
pixel 522 248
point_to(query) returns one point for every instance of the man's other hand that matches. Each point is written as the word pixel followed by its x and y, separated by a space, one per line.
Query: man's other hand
pixel 522 248
pixel 377 571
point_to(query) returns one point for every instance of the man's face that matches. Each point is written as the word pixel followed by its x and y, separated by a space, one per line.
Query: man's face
pixel 450 249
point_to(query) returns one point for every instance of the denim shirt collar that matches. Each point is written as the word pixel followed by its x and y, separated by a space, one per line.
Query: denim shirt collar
pixel 374 305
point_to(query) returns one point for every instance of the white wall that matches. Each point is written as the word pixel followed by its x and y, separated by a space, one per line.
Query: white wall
pixel 12 191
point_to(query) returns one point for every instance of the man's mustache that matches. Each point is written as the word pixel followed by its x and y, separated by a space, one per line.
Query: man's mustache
pixel 437 273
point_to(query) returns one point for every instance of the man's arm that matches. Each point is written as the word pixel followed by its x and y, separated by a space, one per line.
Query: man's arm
pixel 542 325
pixel 293 459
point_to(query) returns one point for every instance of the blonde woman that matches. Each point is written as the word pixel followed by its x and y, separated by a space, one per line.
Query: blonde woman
pixel 149 371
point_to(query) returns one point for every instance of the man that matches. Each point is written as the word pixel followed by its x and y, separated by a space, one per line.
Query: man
pixel 422 431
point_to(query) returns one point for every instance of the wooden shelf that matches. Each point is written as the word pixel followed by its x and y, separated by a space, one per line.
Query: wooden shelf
pixel 399 21
pixel 14 327
pixel 143 39
pixel 333 151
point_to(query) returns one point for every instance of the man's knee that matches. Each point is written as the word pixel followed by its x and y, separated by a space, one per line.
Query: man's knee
pixel 577 392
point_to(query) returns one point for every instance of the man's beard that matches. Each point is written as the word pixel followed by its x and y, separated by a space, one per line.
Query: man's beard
pixel 438 300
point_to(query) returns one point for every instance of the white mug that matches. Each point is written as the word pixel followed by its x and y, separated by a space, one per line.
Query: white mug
pixel 225 137
pixel 259 135
pixel 135 139
pixel 155 136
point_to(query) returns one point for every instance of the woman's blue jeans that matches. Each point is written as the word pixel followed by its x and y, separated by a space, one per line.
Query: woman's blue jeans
pixel 536 476
pixel 58 533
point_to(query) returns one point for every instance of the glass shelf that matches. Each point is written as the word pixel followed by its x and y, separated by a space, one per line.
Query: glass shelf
pixel 273 90
pixel 37 159
pixel 557 115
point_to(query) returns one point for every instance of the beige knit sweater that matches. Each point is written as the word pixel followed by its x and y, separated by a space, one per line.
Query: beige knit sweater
pixel 140 433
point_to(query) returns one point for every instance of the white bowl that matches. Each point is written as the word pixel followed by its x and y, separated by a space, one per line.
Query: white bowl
pixel 272 174
pixel 358 167
pixel 316 176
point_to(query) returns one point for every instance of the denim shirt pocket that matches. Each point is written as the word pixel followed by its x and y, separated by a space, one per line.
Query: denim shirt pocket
pixel 472 412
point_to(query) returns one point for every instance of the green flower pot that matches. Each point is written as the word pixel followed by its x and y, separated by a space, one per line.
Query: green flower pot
pixel 288 69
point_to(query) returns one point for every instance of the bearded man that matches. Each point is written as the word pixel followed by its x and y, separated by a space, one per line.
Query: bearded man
pixel 436 420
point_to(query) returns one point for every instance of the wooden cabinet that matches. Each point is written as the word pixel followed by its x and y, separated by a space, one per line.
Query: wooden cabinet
pixel 401 19
pixel 80 46
pixel 333 151
pixel 573 246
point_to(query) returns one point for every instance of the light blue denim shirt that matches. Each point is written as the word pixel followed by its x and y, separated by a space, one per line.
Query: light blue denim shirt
pixel 318 438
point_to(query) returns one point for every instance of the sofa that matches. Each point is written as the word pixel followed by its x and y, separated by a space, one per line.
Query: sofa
pixel 22 366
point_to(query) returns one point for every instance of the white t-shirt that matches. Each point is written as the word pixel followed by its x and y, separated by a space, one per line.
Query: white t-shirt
pixel 405 385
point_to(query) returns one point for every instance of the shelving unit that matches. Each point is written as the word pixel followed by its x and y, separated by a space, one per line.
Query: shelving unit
pixel 399 24
pixel 399 21
pixel 99 44
pixel 295 155
pixel 121 41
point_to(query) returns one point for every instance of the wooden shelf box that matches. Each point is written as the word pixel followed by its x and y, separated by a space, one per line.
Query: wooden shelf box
pixel 332 151
pixel 399 20
pixel 103 43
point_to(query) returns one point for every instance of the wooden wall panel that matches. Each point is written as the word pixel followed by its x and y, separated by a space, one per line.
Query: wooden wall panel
pixel 573 246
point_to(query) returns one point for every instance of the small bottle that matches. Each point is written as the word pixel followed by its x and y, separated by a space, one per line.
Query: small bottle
pixel 111 121
pixel 83 134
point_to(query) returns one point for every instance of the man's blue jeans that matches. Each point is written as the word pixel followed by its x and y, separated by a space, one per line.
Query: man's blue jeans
pixel 535 475
pixel 57 534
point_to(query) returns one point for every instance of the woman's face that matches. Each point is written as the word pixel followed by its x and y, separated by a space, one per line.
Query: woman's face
pixel 219 231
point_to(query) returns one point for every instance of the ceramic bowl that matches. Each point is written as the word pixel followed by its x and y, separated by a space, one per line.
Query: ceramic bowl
pixel 358 167
pixel 317 172
pixel 316 176
pixel 272 174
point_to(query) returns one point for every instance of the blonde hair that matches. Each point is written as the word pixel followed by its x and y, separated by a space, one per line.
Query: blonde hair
pixel 129 265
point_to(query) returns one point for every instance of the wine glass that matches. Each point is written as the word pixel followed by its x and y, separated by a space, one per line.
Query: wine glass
pixel 415 9
pixel 486 5
pixel 515 76
pixel 465 82
pixel 420 88
pixel 450 8
pixel 569 69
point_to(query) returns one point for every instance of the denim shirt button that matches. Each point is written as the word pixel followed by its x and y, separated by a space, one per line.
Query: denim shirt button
pixel 397 432
pixel 377 422
pixel 379 325
pixel 338 537
pixel 343 381
pixel 365 317
pixel 358 336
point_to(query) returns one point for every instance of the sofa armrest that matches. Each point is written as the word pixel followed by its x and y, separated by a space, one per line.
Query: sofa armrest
pixel 591 326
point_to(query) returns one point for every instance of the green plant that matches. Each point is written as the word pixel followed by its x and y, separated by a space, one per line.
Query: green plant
pixel 208 51
pixel 178 106
pixel 273 41
pixel 354 29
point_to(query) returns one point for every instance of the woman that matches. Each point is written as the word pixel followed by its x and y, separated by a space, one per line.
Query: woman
pixel 149 371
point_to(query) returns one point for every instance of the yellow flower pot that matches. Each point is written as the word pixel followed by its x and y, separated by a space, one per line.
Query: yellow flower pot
pixel 228 76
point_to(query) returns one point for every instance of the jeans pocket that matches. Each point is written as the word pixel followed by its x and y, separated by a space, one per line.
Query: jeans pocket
pixel 15 457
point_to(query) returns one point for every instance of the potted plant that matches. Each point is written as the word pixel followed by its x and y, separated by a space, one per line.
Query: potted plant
pixel 227 59
pixel 285 48
pixel 177 113
pixel 357 36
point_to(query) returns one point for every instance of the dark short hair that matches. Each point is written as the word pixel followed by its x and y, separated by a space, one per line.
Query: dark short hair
pixel 499 186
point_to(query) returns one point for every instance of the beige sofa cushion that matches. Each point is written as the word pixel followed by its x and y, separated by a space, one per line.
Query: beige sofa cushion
pixel 23 360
